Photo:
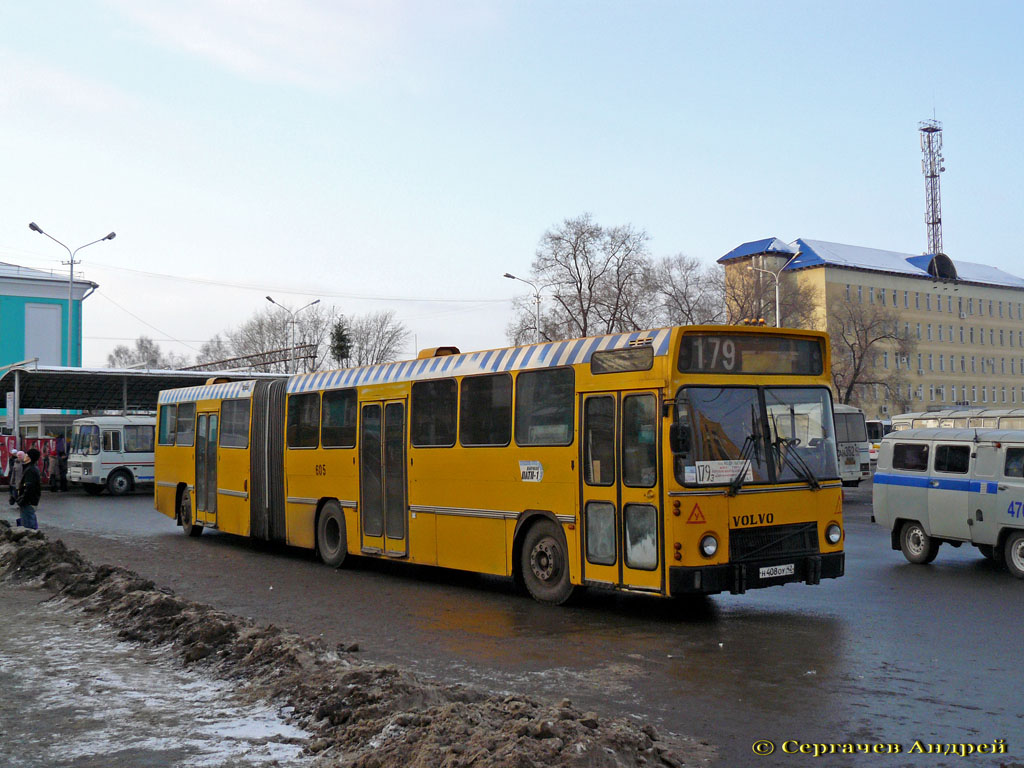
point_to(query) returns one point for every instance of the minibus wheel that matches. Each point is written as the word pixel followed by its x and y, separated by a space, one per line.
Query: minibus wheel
pixel 331 540
pixel 917 546
pixel 119 483
pixel 544 563
pixel 185 514
pixel 1015 554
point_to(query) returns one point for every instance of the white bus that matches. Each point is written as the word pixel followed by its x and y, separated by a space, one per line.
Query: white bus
pixel 852 444
pixel 112 452
pixel 877 429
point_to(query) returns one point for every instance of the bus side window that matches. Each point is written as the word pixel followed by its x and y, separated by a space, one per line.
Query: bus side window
pixel 168 416
pixel 111 440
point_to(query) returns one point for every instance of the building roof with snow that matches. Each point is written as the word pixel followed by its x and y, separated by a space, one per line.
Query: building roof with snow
pixel 813 253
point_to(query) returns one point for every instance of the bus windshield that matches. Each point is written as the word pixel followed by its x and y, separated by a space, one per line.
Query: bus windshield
pixel 785 433
pixel 85 438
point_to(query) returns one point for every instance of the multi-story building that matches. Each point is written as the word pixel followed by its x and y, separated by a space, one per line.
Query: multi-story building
pixel 965 320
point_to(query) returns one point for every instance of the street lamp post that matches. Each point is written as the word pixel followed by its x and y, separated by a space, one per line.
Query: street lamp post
pixel 71 275
pixel 536 300
pixel 292 322
pixel 778 317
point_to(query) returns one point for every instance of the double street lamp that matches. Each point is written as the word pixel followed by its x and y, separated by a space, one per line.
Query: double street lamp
pixel 536 300
pixel 778 317
pixel 71 275
pixel 292 322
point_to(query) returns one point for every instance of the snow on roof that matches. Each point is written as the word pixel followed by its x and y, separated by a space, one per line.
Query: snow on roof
pixel 768 245
pixel 820 252
pixel 17 272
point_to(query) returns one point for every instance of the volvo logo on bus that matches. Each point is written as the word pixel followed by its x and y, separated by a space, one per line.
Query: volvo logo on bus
pixel 741 521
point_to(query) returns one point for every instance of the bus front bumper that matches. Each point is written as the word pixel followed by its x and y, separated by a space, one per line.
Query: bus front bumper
pixel 737 578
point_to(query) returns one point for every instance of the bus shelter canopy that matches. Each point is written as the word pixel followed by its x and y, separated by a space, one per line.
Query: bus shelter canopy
pixel 103 389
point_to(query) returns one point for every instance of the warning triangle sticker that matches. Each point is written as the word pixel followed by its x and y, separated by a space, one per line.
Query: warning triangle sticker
pixel 696 516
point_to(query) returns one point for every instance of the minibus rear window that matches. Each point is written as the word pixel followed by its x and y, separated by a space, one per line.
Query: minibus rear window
pixel 910 456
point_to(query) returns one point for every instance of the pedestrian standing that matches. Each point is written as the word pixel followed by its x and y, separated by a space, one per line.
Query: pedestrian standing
pixel 17 466
pixel 62 459
pixel 29 490
pixel 53 470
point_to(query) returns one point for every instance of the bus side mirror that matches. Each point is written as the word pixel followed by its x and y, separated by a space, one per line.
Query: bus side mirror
pixel 679 438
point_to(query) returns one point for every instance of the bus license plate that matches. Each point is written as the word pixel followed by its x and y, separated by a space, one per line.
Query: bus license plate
pixel 777 570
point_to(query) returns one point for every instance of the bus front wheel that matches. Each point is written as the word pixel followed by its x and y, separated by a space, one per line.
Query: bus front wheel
pixel 544 563
pixel 185 512
pixel 331 540
pixel 917 546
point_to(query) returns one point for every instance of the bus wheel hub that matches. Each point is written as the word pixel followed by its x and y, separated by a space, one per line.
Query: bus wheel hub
pixel 544 560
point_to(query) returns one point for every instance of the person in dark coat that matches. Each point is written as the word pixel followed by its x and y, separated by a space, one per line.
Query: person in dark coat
pixel 62 461
pixel 29 490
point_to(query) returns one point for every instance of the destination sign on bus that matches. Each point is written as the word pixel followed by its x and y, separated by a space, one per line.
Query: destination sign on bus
pixel 750 353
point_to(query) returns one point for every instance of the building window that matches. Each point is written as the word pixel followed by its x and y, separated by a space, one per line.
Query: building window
pixel 928 301
pixel 919 367
pixel 931 366
pixel 940 332
pixel 942 363
pixel 1002 365
pixel 974 394
pixel 917 300
pixel 871 295
pixel 1004 394
pixel 970 306
pixel 847 291
pixel 885 360
pixel 961 334
pixel 1000 309
pixel 990 314
pixel 929 331
pixel 952 393
pixel 973 369
pixel 949 306
pixel 906 330
pixel 860 294
pixel 991 336
pixel 918 331
pixel 963 364
pixel 972 335
pixel 931 393
pixel 984 394
pixel 881 296
pixel 906 299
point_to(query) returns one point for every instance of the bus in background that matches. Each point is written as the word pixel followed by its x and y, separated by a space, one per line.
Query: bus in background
pixel 961 418
pixel 852 444
pixel 112 452
pixel 668 462
pixel 877 429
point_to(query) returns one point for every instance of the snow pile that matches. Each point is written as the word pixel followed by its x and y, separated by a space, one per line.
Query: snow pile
pixel 359 715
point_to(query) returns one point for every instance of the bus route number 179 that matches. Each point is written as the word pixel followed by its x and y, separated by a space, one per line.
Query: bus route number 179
pixel 715 354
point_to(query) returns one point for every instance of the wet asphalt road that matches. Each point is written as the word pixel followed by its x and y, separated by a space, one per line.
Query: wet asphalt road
pixel 890 653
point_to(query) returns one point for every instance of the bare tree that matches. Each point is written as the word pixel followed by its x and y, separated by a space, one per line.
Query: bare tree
pixel 377 337
pixel 596 280
pixel 145 353
pixel 688 291
pixel 861 335
pixel 214 350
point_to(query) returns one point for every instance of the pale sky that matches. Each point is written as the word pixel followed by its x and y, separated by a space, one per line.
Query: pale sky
pixel 403 155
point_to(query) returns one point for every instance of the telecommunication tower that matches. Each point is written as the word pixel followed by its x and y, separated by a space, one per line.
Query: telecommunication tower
pixel 932 166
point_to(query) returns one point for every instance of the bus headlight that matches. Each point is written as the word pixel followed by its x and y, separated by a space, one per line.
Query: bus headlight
pixel 833 533
pixel 709 546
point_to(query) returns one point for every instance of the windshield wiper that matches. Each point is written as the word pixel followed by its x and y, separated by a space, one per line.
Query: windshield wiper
pixel 749 447
pixel 796 462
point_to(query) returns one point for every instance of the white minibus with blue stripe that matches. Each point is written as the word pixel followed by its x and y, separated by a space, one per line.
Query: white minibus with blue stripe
pixel 953 486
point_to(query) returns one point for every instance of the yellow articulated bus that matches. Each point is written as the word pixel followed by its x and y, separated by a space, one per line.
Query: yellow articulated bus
pixel 683 460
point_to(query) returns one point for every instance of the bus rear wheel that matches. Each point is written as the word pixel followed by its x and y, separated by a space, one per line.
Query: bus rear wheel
pixel 917 546
pixel 331 539
pixel 185 513
pixel 1014 554
pixel 119 483
pixel 544 563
